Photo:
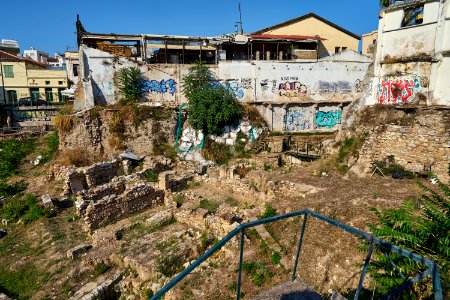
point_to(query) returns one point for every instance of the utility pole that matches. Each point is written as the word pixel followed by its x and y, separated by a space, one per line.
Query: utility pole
pixel 3 80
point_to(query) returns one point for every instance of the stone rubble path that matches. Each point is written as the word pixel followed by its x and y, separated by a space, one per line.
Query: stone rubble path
pixel 291 290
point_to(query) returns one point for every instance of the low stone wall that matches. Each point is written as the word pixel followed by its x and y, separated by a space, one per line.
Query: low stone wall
pixel 424 142
pixel 101 173
pixel 112 207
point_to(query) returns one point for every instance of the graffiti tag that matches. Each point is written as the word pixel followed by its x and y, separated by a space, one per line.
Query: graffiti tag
pixel 340 86
pixel 358 86
pixel 292 89
pixel 328 118
pixel 398 90
pixel 296 121
pixel 162 87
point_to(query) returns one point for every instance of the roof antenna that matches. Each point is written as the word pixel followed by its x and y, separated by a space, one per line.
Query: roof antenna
pixel 240 18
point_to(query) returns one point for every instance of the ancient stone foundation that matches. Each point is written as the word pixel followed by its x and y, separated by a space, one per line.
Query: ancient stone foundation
pixel 420 146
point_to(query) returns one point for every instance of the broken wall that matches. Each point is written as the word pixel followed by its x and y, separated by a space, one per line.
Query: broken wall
pixel 421 141
pixel 256 81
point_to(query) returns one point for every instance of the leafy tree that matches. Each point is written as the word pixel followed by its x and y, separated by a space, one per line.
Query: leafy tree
pixel 211 105
pixel 421 226
pixel 130 84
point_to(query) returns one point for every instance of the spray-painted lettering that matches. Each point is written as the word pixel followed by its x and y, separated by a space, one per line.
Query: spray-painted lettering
pixel 292 89
pixel 162 87
pixel 296 121
pixel 328 118
pixel 340 86
pixel 397 91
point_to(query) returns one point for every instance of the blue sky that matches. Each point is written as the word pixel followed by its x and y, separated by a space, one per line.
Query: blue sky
pixel 49 25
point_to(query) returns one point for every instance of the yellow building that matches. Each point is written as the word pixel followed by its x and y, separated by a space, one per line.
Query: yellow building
pixel 22 77
pixel 333 38
pixel 369 43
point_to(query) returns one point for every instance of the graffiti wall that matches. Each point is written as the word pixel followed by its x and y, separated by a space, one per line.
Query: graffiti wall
pixel 276 81
pixel 398 90
pixel 328 119
pixel 299 119
pixel 24 115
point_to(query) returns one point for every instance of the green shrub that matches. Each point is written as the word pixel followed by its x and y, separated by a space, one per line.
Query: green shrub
pixel 258 271
pixel 421 226
pixel 210 206
pixel 216 152
pixel 130 84
pixel 151 176
pixel 269 212
pixel 276 258
pixel 211 104
pixel 101 268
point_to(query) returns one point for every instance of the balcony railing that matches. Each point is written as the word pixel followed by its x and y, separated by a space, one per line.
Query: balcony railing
pixel 390 3
pixel 432 267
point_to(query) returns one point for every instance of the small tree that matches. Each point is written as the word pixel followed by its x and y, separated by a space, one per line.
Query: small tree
pixel 421 226
pixel 212 105
pixel 130 84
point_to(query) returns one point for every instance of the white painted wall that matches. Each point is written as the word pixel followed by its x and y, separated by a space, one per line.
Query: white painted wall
pixel 426 46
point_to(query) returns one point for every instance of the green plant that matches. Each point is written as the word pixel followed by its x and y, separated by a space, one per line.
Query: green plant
pixel 11 154
pixel 151 175
pixel 148 293
pixel 231 201
pixel 211 104
pixel 276 258
pixel 25 208
pixel 171 260
pixel 210 206
pixel 422 226
pixel 267 167
pixel 130 84
pixel 101 268
pixel 52 143
pixel 269 212
pixel 179 199
pixel 12 189
pixel 349 147
pixel 258 271
pixel 216 152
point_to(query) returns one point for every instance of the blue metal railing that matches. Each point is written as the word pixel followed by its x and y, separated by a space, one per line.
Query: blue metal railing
pixel 432 268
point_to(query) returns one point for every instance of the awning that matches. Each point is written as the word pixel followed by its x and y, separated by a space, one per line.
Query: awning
pixel 68 93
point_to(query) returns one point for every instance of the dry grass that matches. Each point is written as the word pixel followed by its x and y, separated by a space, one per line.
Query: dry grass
pixel 77 157
pixel 64 123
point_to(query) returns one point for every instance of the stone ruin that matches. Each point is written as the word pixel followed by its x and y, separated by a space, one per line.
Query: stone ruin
pixel 104 196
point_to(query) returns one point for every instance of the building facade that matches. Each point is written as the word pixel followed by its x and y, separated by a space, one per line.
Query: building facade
pixel 369 43
pixel 23 77
pixel 334 38
pixel 36 55
pixel 412 63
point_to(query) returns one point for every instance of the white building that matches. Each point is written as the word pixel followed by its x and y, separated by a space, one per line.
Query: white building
pixel 36 55
pixel 412 62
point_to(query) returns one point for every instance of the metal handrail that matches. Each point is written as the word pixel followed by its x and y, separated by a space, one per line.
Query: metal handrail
pixel 432 269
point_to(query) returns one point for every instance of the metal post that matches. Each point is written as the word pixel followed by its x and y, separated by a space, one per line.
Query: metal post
pixel 437 288
pixel 3 80
pixel 364 271
pixel 241 256
pixel 294 273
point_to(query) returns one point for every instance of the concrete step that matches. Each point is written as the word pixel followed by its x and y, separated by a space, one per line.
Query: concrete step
pixel 291 290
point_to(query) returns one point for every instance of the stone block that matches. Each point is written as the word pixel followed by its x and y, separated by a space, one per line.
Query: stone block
pixel 77 251
pixel 47 201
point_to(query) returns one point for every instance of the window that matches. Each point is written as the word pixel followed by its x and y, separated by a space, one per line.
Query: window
pixel 34 92
pixel 337 49
pixel 9 72
pixel 75 70
pixel 412 16
pixel 48 94
pixel 12 96
pixel 344 48
pixel 47 82
pixel 60 82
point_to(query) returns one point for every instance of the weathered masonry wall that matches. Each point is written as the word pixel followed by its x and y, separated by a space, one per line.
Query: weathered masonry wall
pixel 425 142
pixel 412 62
pixel 257 81
pixel 303 117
